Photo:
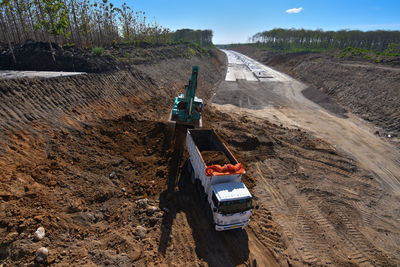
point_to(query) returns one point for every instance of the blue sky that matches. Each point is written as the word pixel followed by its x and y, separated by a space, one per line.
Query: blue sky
pixel 236 20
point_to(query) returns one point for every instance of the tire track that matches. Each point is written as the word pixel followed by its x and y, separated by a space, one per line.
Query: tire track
pixel 311 233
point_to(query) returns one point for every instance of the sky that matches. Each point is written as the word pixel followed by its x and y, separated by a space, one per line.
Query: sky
pixel 234 21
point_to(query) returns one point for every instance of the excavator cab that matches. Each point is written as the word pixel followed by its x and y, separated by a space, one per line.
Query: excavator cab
pixel 188 107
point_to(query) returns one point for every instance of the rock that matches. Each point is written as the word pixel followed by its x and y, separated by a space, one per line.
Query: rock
pixel 39 234
pixel 123 189
pixel 112 175
pixel 142 203
pixel 140 231
pixel 151 210
pixel 41 255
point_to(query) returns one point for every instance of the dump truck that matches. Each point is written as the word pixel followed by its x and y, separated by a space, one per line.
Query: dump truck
pixel 228 201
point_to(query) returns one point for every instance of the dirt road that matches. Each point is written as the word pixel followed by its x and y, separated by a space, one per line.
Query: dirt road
pixel 341 214
pixel 12 74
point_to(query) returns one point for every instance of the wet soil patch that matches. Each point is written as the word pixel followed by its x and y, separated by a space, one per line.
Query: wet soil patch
pixel 324 101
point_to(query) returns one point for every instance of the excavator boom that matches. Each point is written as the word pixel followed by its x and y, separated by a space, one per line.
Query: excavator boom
pixel 187 107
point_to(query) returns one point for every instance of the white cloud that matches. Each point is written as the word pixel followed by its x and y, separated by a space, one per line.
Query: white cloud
pixel 294 10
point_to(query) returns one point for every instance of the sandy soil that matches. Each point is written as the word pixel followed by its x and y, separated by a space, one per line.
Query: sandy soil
pixel 364 88
pixel 80 155
pixel 339 210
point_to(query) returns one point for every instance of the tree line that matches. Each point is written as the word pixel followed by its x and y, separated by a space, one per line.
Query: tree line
pixel 81 22
pixel 200 37
pixel 297 39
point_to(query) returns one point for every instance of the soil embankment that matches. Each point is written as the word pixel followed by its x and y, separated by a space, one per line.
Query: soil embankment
pixel 90 159
pixel 367 89
pixel 38 56
pixel 77 153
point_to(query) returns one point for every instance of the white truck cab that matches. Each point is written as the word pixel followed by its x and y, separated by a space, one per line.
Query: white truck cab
pixel 231 204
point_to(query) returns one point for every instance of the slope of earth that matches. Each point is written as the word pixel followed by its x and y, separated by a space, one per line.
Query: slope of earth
pixel 372 91
pixel 38 56
pixel 77 153
pixel 90 159
pixel 335 201
pixel 317 206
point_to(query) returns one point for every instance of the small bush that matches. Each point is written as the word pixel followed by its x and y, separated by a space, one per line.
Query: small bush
pixel 98 50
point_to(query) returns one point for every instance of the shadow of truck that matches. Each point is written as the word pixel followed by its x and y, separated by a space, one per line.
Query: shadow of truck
pixel 225 248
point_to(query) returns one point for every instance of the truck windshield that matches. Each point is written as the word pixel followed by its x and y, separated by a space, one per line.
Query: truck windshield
pixel 227 207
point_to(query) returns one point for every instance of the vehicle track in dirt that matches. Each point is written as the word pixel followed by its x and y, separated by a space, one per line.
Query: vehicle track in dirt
pixel 62 138
pixel 333 207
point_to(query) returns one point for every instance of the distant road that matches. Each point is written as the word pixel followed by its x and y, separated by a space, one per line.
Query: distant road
pixel 11 74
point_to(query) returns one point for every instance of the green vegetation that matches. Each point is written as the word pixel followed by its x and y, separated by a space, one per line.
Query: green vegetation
pixel 293 40
pixel 201 37
pixel 393 50
pixel 85 23
pixel 98 50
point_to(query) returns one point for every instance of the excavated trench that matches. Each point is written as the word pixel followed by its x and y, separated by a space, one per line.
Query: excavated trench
pixel 77 152
pixel 90 159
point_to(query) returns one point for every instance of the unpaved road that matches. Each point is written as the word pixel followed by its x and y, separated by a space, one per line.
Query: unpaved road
pixel 12 74
pixel 350 217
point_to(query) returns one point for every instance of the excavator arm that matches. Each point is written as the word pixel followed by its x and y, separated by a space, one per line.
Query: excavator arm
pixel 187 107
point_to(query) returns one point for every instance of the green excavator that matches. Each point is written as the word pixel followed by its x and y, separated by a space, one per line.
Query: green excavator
pixel 187 107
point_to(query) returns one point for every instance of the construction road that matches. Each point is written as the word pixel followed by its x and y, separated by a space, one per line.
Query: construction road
pixel 353 217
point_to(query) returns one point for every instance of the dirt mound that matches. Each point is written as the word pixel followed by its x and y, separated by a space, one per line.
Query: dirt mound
pixel 214 158
pixel 38 56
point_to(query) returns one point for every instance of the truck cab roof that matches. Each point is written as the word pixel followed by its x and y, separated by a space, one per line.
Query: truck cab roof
pixel 231 191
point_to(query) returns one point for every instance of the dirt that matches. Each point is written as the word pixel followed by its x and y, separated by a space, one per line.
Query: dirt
pixel 367 89
pixel 76 155
pixel 214 158
pixel 38 56
pixel 328 183
pixel 91 159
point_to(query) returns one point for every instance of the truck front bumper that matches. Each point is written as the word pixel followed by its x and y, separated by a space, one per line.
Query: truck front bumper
pixel 231 226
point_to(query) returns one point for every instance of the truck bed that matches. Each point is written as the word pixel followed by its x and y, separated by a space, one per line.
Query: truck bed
pixel 198 140
pixel 207 140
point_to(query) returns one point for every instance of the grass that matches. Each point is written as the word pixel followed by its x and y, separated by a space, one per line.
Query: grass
pixel 376 56
pixel 98 51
